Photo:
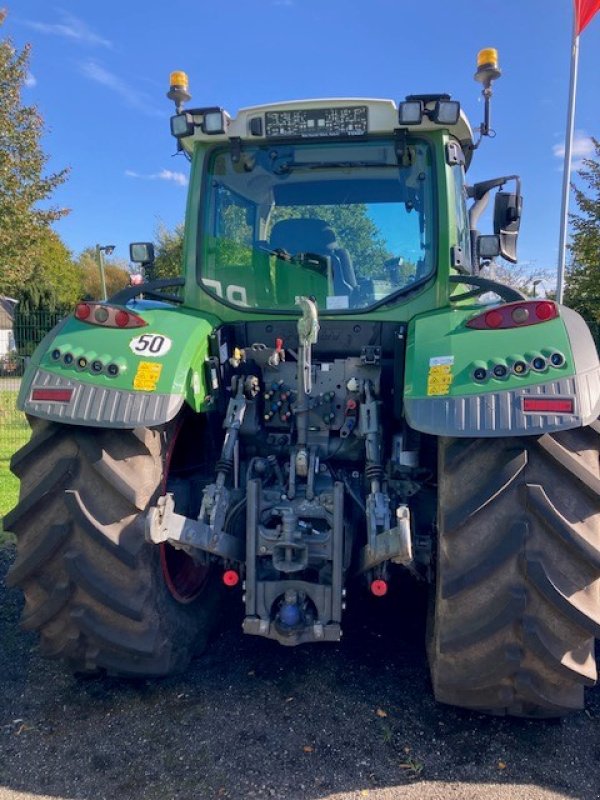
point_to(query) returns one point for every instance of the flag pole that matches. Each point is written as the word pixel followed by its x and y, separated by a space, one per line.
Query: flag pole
pixel 564 214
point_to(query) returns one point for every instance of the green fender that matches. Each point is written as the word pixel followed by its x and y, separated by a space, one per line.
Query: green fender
pixel 442 395
pixel 109 377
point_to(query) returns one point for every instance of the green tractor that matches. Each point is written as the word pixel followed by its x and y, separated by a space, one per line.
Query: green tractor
pixel 324 401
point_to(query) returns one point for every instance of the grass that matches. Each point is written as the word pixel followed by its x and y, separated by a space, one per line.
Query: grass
pixel 14 432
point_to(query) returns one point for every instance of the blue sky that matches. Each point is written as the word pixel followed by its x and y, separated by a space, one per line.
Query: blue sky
pixel 99 73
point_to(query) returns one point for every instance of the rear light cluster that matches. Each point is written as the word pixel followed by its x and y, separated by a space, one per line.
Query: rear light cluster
pixel 82 362
pixel 515 315
pixel 107 316
pixel 518 366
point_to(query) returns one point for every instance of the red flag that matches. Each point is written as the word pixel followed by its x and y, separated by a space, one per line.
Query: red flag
pixel 584 11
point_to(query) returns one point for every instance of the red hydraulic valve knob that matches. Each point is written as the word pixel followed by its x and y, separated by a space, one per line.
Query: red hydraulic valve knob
pixel 231 578
pixel 379 587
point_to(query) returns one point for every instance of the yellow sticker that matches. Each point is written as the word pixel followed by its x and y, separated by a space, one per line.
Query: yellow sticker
pixel 439 379
pixel 147 375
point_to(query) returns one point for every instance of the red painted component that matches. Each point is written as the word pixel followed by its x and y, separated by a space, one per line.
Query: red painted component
pixel 379 587
pixel 549 405
pixel 52 395
pixel 350 406
pixel 185 578
pixel 231 578
pixel 515 315
pixel 82 311
pixel 278 345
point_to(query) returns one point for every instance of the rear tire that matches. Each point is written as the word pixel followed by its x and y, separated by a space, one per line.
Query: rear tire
pixel 517 602
pixel 94 588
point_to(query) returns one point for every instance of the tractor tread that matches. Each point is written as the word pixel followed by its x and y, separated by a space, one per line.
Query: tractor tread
pixel 577 664
pixel 547 512
pixel 573 465
pixel 484 623
pixel 518 589
pixel 52 482
pixel 94 588
pixel 498 483
pixel 140 643
pixel 128 603
pixel 29 561
pixel 45 611
pixel 488 564
pixel 559 590
pixel 98 533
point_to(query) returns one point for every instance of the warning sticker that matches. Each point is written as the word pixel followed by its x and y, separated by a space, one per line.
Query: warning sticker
pixel 439 361
pixel 147 376
pixel 439 379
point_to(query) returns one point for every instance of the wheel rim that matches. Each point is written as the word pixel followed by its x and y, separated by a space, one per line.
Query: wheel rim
pixel 184 577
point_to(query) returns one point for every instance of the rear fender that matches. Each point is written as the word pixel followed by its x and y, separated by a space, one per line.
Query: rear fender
pixel 158 368
pixel 443 397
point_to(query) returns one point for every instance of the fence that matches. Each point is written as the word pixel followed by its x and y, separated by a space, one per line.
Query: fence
pixel 21 334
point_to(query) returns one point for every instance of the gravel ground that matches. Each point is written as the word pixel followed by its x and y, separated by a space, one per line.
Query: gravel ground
pixel 252 719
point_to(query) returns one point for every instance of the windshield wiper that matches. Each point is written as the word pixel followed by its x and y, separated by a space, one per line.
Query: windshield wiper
pixel 289 166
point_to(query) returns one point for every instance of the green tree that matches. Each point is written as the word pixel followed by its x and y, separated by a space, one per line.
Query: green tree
pixel 353 228
pixel 583 279
pixel 36 313
pixel 116 275
pixel 23 185
pixel 57 270
pixel 168 252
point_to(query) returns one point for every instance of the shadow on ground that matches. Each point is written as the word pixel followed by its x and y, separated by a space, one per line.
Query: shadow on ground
pixel 253 719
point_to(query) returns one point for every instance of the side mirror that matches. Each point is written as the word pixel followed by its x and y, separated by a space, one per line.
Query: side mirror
pixel 507 220
pixel 488 246
pixel 141 252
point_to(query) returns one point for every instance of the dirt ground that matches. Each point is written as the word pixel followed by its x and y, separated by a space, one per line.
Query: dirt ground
pixel 252 719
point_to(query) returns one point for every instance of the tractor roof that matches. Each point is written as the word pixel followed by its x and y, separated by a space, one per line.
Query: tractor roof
pixel 327 118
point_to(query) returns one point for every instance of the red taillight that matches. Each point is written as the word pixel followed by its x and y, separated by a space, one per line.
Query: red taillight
pixel 544 311
pixel 515 315
pixel 52 395
pixel 108 316
pixel 493 319
pixel 547 405
pixel 82 311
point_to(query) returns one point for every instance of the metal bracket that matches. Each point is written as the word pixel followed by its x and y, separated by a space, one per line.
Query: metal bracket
pixel 370 355
pixel 163 524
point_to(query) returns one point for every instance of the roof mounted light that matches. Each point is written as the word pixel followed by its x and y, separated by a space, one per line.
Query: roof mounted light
pixel 414 108
pixel 178 89
pixel 214 120
pixel 487 66
pixel 410 112
pixel 182 125
pixel 446 112
pixel 487 72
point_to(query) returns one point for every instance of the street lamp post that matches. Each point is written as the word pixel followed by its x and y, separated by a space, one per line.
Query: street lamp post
pixel 100 251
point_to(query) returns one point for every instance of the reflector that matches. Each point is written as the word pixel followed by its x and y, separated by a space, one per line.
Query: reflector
pixel 548 405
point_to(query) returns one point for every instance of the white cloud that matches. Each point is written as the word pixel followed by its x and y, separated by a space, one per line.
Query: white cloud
pixel 140 100
pixel 164 175
pixel 30 80
pixel 70 27
pixel 583 147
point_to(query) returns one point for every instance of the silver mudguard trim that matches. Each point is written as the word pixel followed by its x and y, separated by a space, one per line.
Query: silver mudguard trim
pixel 99 406
pixel 501 414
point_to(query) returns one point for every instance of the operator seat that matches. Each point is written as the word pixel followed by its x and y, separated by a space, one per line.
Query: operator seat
pixel 312 235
